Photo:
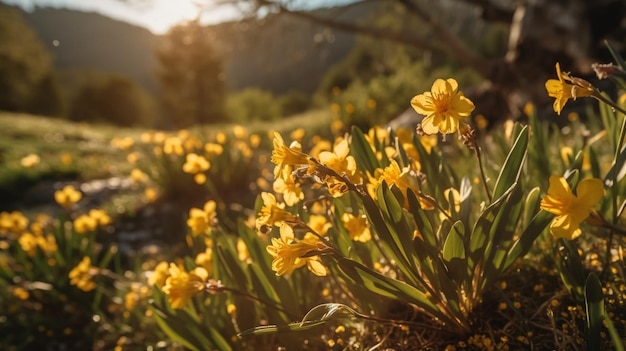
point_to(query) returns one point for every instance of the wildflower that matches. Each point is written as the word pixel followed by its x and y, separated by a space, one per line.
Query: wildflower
pixel 101 217
pixel 82 275
pixel 243 254
pixel 13 222
pixel 287 185
pixel 201 220
pixel 173 146
pixel 570 209
pixel 273 212
pixel 20 293
pixel 181 286
pixel 213 149
pixel 319 223
pixel 342 163
pixel 563 91
pixel 138 176
pixel 404 179
pixel 283 155
pixel 28 243
pixel 444 107
pixel 289 254
pixel 195 163
pixel 84 224
pixel 67 196
pixel 30 161
pixel 357 227
pixel 159 274
pixel 205 260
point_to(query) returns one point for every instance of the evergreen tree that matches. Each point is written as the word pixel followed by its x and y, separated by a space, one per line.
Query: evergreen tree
pixel 27 81
pixel 190 77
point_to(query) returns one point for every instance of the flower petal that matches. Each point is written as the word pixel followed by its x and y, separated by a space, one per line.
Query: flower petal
pixel 423 104
pixel 590 191
pixel 428 125
pixel 564 227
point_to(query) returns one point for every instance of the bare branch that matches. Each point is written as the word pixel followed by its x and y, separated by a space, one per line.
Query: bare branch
pixel 452 43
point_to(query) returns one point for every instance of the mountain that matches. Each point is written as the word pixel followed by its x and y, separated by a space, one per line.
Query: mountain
pixel 278 53
pixel 90 42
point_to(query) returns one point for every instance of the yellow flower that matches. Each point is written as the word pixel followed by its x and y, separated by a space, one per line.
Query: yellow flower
pixel 100 216
pixel 319 223
pixel 205 260
pixel 30 161
pixel 339 161
pixel 201 220
pixel 287 156
pixel 82 275
pixel 272 212
pixel 13 222
pixel 28 243
pixel 138 176
pixel 358 227
pixel 195 163
pixel 563 91
pixel 67 196
pixel 181 286
pixel 404 179
pixel 288 253
pixel 84 224
pixel 570 209
pixel 287 185
pixel 20 293
pixel 443 107
pixel 173 146
pixel 159 274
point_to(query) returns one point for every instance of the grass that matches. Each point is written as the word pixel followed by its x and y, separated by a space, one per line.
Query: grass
pixel 82 152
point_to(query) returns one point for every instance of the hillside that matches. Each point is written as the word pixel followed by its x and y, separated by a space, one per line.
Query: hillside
pixel 277 54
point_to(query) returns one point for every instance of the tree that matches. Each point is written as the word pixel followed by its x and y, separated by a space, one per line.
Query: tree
pixel 190 77
pixel 27 81
pixel 113 99
pixel 540 33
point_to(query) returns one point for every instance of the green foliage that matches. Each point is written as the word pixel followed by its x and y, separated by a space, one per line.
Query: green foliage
pixel 115 100
pixel 27 81
pixel 190 77
pixel 253 104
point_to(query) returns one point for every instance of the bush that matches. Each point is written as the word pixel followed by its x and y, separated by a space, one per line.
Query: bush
pixel 252 104
pixel 116 100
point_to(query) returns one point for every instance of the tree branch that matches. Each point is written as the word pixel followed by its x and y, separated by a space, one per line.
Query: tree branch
pixel 452 44
pixel 378 33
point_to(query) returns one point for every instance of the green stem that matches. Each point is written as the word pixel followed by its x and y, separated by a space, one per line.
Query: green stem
pixel 483 176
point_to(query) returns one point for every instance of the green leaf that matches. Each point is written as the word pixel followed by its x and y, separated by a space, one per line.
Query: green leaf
pixel 618 167
pixel 362 151
pixel 512 165
pixel 454 255
pixel 389 287
pixel 525 241
pixel 594 304
pixel 570 267
pixel 317 316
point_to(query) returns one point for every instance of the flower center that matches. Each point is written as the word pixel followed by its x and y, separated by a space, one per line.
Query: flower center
pixel 441 103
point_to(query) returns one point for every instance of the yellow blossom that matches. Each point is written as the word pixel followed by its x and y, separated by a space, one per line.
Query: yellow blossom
pixel 20 293
pixel 201 220
pixel 67 196
pixel 243 254
pixel 287 185
pixel 13 222
pixel 563 91
pixel 138 176
pixel 159 274
pixel 181 285
pixel 273 212
pixel 195 163
pixel 444 107
pixel 28 243
pixel 283 155
pixel 173 146
pixel 341 162
pixel 357 227
pixel 570 209
pixel 288 253
pixel 319 223
pixel 82 275
pixel 213 149
pixel 404 179
pixel 84 224
pixel 205 260
pixel 30 161
pixel 100 216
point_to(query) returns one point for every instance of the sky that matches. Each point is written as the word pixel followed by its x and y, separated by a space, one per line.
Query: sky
pixel 155 15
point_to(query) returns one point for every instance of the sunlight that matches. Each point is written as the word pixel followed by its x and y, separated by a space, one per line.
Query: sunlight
pixel 163 14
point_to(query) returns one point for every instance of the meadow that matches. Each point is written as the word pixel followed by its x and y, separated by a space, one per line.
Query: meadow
pixel 312 234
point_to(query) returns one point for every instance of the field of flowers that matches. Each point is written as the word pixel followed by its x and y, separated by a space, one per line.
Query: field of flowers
pixel 453 235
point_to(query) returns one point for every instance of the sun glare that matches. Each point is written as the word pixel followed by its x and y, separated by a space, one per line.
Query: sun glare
pixel 163 14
